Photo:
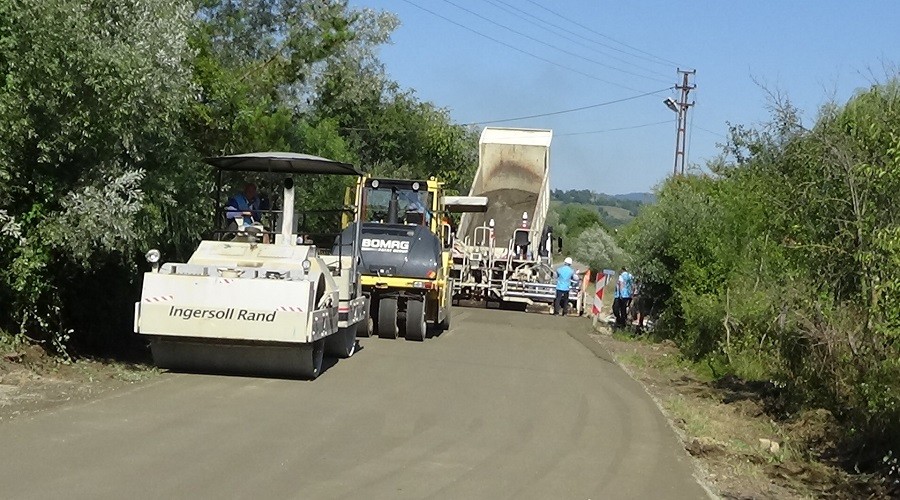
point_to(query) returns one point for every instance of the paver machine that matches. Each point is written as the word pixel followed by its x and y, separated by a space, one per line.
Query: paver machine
pixel 405 255
pixel 256 299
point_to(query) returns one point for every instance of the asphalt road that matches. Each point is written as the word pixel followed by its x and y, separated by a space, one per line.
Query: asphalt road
pixel 505 405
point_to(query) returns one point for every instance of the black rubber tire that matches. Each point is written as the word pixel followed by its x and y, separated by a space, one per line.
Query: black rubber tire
pixel 387 318
pixel 444 325
pixel 366 327
pixel 341 344
pixel 416 327
pixel 313 355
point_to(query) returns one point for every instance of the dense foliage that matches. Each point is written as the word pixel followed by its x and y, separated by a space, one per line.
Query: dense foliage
pixel 615 210
pixel 586 237
pixel 632 202
pixel 783 263
pixel 106 107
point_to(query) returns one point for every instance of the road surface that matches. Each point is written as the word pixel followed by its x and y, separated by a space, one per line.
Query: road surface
pixel 505 405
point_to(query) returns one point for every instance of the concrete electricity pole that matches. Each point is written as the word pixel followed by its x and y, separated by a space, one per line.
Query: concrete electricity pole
pixel 681 107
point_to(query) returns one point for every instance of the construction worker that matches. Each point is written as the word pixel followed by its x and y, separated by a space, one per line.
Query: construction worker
pixel 624 288
pixel 423 215
pixel 245 204
pixel 564 276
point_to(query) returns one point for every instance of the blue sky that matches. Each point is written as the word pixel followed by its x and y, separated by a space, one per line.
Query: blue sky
pixel 811 51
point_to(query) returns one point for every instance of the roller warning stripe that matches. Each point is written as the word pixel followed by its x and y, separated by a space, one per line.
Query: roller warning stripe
pixel 291 309
pixel 161 298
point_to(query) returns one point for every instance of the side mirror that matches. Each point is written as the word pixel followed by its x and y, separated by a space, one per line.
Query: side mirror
pixel 559 245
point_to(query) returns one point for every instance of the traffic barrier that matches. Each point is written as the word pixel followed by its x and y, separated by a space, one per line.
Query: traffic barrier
pixel 602 282
pixel 598 295
pixel 582 293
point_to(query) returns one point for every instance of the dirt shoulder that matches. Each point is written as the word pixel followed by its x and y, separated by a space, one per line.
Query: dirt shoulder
pixel 32 381
pixel 727 426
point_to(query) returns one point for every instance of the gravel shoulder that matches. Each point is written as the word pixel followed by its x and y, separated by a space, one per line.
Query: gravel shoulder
pixel 742 445
pixel 31 381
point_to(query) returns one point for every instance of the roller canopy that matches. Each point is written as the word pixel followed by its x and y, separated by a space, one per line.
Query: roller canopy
pixel 283 163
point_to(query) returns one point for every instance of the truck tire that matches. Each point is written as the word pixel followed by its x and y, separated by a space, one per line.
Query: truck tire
pixel 366 327
pixel 444 325
pixel 416 327
pixel 341 344
pixel 387 318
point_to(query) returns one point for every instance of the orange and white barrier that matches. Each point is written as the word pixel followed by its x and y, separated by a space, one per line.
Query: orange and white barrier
pixel 602 282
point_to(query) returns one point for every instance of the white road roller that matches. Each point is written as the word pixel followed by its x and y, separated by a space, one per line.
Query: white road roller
pixel 257 301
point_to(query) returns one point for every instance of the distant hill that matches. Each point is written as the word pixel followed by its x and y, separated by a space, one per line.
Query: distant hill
pixel 644 198
pixel 616 210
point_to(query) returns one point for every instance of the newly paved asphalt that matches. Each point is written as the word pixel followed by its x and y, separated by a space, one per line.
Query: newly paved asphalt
pixel 505 405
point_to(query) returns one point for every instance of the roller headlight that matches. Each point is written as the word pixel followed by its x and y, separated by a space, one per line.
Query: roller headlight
pixel 415 186
pixel 375 184
pixel 307 265
pixel 153 256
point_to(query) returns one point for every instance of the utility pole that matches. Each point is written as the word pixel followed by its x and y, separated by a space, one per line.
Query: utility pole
pixel 682 108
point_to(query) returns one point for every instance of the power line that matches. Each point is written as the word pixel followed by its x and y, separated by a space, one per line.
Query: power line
pixel 517 49
pixel 582 108
pixel 708 131
pixel 542 23
pixel 656 59
pixel 552 46
pixel 569 134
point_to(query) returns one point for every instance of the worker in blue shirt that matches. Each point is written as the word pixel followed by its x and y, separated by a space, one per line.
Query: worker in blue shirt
pixel 417 207
pixel 624 288
pixel 245 204
pixel 564 274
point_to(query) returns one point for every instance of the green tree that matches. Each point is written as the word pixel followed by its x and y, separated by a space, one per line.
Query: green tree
pixel 598 250
pixel 781 264
pixel 109 105
pixel 91 104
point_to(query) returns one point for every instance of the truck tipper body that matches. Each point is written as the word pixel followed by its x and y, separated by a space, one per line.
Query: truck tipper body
pixel 504 253
pixel 514 175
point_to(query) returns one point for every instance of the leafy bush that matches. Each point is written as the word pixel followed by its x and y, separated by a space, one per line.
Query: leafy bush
pixel 595 248
pixel 783 261
pixel 108 105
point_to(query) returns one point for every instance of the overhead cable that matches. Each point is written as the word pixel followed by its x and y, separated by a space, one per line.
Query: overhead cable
pixel 543 23
pixel 569 134
pixel 547 44
pixel 655 58
pixel 517 49
pixel 564 111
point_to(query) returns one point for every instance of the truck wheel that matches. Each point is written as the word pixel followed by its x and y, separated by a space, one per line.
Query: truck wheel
pixel 415 320
pixel 341 344
pixel 365 327
pixel 312 355
pixel 387 318
pixel 445 323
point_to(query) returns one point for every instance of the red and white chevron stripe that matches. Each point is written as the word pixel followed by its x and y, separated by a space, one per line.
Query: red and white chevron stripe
pixel 161 298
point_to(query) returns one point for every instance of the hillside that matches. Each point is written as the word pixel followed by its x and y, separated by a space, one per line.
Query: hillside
pixel 615 210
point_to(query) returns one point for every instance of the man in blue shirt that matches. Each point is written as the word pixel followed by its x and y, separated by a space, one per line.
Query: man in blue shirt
pixel 624 288
pixel 564 276
pixel 420 213
pixel 245 204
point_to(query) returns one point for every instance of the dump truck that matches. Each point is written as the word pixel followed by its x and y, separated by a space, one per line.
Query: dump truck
pixel 505 253
pixel 254 299
pixel 405 256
